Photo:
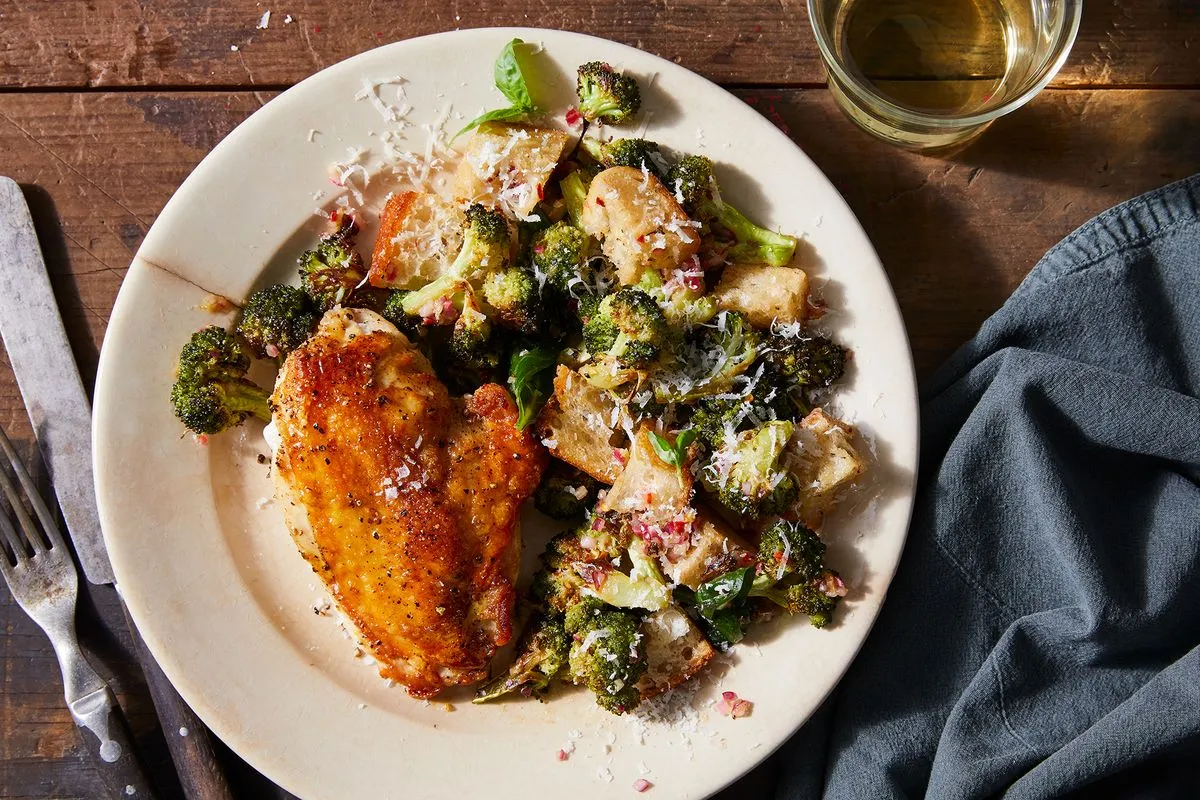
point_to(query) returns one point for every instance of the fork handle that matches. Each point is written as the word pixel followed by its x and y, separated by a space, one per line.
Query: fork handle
pixel 109 745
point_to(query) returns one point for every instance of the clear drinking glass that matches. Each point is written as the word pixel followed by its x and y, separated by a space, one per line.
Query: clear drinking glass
pixel 932 74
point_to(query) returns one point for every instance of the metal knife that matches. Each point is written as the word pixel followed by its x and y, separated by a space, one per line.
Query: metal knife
pixel 61 415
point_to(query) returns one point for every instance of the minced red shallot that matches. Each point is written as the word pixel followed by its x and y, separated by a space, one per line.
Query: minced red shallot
pixel 733 706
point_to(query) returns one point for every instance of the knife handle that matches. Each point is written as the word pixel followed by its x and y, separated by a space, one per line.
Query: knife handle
pixel 109 745
pixel 188 739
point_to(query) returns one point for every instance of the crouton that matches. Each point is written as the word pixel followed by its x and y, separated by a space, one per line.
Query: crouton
pixel 639 223
pixel 656 491
pixel 822 457
pixel 506 166
pixel 714 549
pixel 420 233
pixel 576 426
pixel 675 651
pixel 764 294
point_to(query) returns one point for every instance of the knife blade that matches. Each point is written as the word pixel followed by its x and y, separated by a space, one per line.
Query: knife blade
pixel 49 382
pixel 54 397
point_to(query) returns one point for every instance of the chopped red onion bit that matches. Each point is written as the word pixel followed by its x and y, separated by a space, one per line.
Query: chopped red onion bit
pixel 733 706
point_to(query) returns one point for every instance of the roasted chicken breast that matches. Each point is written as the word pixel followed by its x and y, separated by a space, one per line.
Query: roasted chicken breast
pixel 403 499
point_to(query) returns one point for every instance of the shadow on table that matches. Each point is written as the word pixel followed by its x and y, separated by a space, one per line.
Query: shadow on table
pixel 1122 142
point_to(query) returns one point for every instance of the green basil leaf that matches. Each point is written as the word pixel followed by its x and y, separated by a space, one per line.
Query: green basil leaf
pixel 664 449
pixel 510 74
pixel 673 454
pixel 684 596
pixel 724 630
pixel 499 115
pixel 530 379
pixel 724 591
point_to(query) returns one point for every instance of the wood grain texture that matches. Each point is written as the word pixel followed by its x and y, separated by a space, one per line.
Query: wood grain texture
pixel 177 43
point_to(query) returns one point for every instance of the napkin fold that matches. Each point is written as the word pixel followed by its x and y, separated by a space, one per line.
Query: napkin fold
pixel 1042 635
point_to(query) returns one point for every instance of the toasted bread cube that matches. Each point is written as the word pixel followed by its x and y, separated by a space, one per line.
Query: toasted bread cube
pixel 506 165
pixel 824 461
pixel 764 294
pixel 675 651
pixel 420 233
pixel 640 225
pixel 657 491
pixel 577 424
pixel 714 549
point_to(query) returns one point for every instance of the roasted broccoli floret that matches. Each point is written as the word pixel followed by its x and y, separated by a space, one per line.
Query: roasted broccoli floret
pixel 636 153
pixel 393 312
pixel 541 657
pixel 330 272
pixel 730 235
pixel 627 326
pixel 723 416
pixel 565 492
pixel 560 252
pixel 809 361
pixel 712 359
pixel 644 587
pixel 211 391
pixel 682 299
pixel 791 573
pixel 608 653
pixel 512 295
pixel 591 562
pixel 790 549
pixel 571 560
pixel 487 243
pixel 276 320
pixel 487 248
pixel 472 343
pixel 817 598
pixel 606 95
pixel 745 474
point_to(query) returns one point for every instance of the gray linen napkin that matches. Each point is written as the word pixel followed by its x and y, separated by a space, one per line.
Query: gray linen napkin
pixel 1042 635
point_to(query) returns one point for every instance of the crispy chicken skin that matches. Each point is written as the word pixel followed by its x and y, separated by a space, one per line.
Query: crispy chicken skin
pixel 403 499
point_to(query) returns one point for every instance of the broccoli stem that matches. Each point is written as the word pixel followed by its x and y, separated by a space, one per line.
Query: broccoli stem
pixel 449 287
pixel 247 398
pixel 574 192
pixel 756 243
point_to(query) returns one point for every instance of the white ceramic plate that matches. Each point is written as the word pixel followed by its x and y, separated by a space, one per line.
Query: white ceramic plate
pixel 212 578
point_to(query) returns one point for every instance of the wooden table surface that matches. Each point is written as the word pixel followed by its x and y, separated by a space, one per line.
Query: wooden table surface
pixel 106 105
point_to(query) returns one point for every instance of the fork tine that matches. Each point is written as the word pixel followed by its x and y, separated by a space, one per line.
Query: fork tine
pixel 49 528
pixel 12 544
pixel 26 538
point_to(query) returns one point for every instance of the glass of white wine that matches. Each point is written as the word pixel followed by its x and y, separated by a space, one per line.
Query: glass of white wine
pixel 932 74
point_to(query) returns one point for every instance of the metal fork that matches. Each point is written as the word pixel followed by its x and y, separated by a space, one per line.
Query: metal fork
pixel 41 575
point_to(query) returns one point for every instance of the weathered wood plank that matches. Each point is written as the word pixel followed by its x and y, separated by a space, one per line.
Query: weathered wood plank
pixel 175 43
pixel 96 171
pixel 955 235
